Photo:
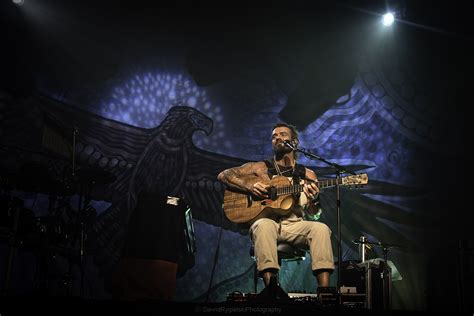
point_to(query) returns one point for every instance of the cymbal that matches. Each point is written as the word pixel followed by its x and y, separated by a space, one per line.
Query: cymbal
pixel 95 175
pixel 33 177
pixel 36 177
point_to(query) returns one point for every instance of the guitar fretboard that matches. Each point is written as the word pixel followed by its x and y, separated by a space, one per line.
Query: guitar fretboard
pixel 296 188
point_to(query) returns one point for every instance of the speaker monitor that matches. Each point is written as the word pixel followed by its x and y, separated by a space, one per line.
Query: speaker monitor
pixel 370 279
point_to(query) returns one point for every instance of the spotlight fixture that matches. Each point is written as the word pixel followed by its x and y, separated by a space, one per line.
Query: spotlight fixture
pixel 388 19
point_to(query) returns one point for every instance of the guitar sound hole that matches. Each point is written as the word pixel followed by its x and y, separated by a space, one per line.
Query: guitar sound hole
pixel 287 203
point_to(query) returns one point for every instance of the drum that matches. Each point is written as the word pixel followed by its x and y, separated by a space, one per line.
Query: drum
pixel 53 230
pixel 14 218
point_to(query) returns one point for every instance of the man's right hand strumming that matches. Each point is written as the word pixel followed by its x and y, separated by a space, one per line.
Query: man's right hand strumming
pixel 260 189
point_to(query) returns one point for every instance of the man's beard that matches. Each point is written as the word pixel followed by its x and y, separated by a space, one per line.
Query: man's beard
pixel 280 149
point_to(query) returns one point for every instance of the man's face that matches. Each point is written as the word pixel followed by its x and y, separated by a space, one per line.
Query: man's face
pixel 279 135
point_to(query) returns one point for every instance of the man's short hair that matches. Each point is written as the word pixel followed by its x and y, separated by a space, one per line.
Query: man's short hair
pixel 294 132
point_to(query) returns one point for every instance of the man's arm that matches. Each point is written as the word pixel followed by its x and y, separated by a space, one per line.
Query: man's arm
pixel 311 190
pixel 237 178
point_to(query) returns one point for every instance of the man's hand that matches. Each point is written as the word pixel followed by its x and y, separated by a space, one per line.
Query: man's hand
pixel 311 190
pixel 260 189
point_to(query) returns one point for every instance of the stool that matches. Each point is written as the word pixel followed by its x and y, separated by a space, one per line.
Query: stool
pixel 286 252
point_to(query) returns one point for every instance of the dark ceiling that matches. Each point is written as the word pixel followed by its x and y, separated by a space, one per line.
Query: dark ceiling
pixel 90 41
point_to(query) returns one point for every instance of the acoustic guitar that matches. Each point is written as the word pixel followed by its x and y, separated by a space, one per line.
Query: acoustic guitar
pixel 244 208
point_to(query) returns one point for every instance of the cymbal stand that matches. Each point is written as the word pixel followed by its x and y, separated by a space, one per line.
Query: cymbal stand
pixel 74 136
pixel 13 245
pixel 84 200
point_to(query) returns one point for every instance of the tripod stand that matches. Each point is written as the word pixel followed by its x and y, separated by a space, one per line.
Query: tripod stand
pixel 88 179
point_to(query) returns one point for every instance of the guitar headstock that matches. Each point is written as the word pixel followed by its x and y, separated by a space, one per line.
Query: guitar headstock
pixel 355 180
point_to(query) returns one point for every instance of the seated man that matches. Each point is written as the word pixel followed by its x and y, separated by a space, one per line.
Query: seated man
pixel 291 228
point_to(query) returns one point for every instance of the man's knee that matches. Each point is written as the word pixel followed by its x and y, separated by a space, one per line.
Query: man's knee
pixel 265 225
pixel 320 228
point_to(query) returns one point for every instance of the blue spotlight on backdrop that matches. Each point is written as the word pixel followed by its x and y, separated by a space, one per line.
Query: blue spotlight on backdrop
pixel 144 100
pixel 18 2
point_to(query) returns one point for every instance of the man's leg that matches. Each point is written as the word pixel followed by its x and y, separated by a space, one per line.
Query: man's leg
pixel 267 275
pixel 272 288
pixel 317 236
pixel 264 233
pixel 322 276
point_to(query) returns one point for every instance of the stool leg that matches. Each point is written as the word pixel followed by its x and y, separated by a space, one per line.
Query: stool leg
pixel 278 272
pixel 255 278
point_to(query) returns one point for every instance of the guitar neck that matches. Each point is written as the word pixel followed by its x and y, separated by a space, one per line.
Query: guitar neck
pixel 297 188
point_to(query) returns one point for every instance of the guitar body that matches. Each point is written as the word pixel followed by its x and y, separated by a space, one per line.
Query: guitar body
pixel 245 208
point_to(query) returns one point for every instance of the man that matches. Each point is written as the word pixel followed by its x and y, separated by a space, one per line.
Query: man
pixel 291 228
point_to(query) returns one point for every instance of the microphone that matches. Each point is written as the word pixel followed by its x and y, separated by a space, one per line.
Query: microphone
pixel 290 144
pixel 367 244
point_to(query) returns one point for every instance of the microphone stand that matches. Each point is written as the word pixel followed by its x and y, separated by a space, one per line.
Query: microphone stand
pixel 339 169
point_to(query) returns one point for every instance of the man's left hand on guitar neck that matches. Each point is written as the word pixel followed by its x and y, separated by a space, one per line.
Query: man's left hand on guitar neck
pixel 311 190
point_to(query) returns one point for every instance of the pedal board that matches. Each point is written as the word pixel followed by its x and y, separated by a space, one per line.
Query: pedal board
pixel 325 298
pixel 304 297
pixel 241 297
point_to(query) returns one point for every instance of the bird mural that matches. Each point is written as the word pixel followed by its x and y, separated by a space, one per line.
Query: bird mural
pixel 135 158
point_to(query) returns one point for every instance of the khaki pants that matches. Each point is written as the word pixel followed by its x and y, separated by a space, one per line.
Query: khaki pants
pixel 315 236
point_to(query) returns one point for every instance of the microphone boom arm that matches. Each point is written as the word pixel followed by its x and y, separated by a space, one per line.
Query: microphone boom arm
pixel 310 155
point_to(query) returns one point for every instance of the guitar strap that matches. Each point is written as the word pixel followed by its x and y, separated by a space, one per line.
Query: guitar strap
pixel 298 174
pixel 271 170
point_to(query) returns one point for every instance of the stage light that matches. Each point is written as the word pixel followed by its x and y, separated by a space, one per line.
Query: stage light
pixel 18 2
pixel 388 19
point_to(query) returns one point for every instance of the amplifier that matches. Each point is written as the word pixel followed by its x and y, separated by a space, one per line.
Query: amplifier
pixel 369 279
pixel 353 300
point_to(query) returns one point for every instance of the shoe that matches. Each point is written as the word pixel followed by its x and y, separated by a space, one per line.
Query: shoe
pixel 272 291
